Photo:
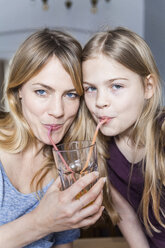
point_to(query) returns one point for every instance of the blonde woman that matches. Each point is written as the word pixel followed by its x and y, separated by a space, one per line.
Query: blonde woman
pixel 122 85
pixel 43 91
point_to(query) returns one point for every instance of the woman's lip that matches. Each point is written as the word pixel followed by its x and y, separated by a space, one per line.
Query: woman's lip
pixel 53 127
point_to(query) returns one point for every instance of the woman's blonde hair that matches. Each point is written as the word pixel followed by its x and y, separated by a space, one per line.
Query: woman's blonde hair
pixel 130 50
pixel 29 59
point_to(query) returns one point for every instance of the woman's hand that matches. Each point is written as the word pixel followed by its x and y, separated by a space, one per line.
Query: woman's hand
pixel 59 210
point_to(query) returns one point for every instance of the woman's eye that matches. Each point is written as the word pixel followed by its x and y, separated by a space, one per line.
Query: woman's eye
pixel 41 92
pixel 72 95
pixel 90 89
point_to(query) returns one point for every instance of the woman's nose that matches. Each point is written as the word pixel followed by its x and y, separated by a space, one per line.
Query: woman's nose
pixel 102 99
pixel 56 107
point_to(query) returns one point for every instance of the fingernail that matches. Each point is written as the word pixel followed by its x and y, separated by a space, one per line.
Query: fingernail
pixel 104 179
pixel 96 173
pixel 102 208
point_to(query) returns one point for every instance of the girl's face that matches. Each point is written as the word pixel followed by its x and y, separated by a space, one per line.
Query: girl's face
pixel 114 92
pixel 49 100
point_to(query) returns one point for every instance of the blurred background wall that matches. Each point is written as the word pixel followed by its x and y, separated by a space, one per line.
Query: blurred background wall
pixel 19 18
pixel 154 32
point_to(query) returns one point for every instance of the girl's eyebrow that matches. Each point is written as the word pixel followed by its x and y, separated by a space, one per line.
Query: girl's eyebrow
pixel 107 81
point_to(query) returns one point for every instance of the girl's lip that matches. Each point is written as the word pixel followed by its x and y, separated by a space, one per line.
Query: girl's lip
pixel 106 118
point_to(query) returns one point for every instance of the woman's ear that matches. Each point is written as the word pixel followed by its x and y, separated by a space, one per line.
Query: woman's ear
pixel 150 84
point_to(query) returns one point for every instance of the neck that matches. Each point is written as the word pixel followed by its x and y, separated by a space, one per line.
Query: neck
pixel 129 149
pixel 33 149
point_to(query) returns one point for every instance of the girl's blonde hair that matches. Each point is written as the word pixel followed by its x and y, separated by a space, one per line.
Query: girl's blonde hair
pixel 29 59
pixel 130 50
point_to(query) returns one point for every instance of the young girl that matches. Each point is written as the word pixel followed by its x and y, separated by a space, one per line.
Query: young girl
pixel 122 85
pixel 43 93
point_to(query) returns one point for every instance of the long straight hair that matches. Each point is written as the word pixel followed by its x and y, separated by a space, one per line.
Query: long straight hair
pixel 29 59
pixel 131 51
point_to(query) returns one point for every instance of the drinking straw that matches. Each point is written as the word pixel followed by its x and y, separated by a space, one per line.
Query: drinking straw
pixel 93 142
pixel 56 149
pixel 90 150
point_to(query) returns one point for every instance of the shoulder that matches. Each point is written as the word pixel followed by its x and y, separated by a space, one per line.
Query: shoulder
pixel 5 157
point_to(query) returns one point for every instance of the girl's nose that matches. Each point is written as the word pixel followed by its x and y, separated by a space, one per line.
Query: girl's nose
pixel 102 99
pixel 56 107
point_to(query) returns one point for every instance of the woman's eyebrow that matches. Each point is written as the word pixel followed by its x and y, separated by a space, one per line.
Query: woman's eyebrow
pixel 43 85
pixel 51 89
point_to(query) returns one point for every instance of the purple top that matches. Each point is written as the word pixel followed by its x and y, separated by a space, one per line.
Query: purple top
pixel 119 169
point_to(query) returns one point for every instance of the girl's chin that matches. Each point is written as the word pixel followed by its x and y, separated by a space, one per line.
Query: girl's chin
pixel 107 132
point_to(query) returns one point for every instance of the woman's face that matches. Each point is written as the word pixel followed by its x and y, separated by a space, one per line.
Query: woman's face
pixel 49 100
pixel 114 92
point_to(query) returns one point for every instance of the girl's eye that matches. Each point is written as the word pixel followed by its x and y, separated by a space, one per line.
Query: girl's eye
pixel 116 86
pixel 90 89
pixel 41 92
pixel 72 95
